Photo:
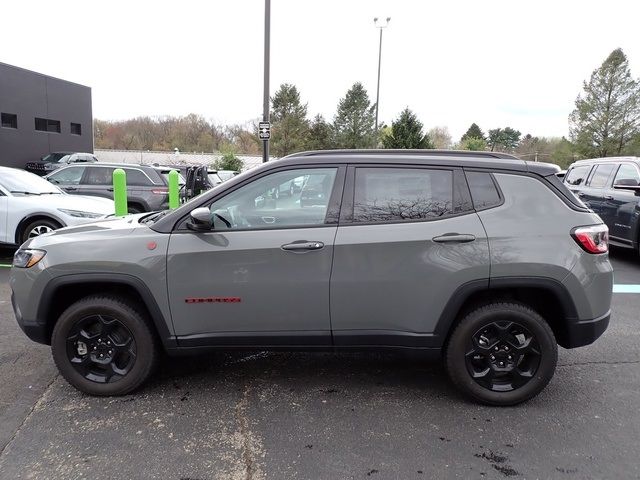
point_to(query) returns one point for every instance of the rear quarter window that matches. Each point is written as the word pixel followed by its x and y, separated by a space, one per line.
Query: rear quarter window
pixel 484 191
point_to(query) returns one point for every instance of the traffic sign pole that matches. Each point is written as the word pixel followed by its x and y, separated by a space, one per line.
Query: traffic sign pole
pixel 265 106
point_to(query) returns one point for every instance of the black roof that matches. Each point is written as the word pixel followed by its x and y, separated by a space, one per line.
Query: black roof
pixel 460 158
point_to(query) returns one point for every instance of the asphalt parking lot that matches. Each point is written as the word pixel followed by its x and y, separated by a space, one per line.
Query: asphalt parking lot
pixel 323 416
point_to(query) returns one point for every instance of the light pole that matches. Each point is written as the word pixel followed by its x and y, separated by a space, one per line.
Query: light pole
pixel 265 104
pixel 380 27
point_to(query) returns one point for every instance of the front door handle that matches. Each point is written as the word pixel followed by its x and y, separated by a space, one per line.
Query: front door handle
pixel 303 246
pixel 581 194
pixel 454 238
pixel 70 189
pixel 608 197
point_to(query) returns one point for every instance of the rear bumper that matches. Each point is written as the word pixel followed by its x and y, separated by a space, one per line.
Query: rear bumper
pixel 585 332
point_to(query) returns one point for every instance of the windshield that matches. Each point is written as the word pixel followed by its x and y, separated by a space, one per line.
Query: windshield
pixel 22 182
pixel 54 157
pixel 64 159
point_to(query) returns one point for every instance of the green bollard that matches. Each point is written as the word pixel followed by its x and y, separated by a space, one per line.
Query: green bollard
pixel 120 192
pixel 174 190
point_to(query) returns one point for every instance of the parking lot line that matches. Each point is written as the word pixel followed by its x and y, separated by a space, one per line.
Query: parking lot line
pixel 626 289
pixel 4 265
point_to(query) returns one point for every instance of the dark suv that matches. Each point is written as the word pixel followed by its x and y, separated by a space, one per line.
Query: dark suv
pixel 611 187
pixel 479 257
pixel 147 186
pixel 56 160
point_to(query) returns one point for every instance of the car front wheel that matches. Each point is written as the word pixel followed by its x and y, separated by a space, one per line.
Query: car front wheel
pixel 103 345
pixel 37 228
pixel 502 354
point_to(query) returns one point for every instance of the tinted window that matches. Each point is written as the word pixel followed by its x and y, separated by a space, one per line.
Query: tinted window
pixel 392 194
pixel 67 176
pixel 99 176
pixel 137 177
pixel 9 120
pixel 627 175
pixel 76 129
pixel 483 190
pixel 601 175
pixel 263 204
pixel 47 125
pixel 577 175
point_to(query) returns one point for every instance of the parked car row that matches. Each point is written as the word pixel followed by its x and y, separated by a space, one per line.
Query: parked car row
pixel 30 206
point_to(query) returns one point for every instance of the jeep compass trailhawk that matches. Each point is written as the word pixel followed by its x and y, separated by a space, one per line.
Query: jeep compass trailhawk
pixel 481 257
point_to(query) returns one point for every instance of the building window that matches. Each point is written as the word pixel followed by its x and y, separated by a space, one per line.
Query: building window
pixel 46 125
pixel 9 120
pixel 76 129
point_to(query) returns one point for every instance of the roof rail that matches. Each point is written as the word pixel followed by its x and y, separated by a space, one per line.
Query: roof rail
pixel 408 151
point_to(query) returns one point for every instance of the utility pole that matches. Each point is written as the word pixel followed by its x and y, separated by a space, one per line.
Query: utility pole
pixel 380 27
pixel 265 106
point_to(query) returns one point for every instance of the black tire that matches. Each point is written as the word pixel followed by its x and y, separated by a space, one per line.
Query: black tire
pixel 137 357
pixel 134 209
pixel 42 224
pixel 499 339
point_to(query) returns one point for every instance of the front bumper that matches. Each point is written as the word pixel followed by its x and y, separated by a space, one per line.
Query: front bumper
pixel 585 332
pixel 35 331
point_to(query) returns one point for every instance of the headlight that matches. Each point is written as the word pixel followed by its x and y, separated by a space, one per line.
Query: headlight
pixel 26 258
pixel 80 214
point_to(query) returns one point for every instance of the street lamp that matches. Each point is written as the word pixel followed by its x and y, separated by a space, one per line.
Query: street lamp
pixel 380 26
pixel 265 103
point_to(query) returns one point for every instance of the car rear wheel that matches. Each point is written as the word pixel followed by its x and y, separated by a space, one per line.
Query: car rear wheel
pixel 502 354
pixel 103 345
pixel 37 228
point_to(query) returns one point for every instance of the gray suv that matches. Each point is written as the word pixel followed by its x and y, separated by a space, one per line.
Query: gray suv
pixel 479 257
pixel 147 186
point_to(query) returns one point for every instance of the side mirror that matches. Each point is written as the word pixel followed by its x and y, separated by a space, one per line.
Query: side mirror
pixel 623 186
pixel 200 220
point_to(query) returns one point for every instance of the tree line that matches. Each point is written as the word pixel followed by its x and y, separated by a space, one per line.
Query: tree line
pixel 605 122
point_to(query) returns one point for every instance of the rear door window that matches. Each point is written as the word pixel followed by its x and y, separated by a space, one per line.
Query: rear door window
pixel 99 176
pixel 577 175
pixel 484 192
pixel 601 175
pixel 137 178
pixel 401 194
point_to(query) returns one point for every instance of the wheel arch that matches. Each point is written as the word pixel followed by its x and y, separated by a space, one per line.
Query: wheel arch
pixel 32 217
pixel 65 290
pixel 546 296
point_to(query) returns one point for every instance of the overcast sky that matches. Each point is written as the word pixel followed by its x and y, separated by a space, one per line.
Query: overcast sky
pixel 454 62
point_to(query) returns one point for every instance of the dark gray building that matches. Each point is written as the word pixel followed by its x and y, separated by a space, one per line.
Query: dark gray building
pixel 41 114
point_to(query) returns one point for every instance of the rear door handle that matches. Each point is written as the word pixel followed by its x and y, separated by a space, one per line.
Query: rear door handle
pixel 70 189
pixel 581 194
pixel 110 189
pixel 303 246
pixel 608 197
pixel 454 238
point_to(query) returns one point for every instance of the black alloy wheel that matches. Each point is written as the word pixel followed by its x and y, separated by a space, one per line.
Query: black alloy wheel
pixel 503 356
pixel 501 353
pixel 105 345
pixel 101 348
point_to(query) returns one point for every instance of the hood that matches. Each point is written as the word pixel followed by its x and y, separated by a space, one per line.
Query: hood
pixel 83 203
pixel 100 231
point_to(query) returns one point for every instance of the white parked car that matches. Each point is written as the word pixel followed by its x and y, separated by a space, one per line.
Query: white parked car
pixel 31 206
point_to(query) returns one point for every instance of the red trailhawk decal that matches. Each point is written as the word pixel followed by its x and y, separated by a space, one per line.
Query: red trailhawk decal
pixel 213 300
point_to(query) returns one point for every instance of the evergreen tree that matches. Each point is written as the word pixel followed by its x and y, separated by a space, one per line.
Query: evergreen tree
pixel 473 132
pixel 354 124
pixel 607 114
pixel 406 132
pixel 320 136
pixel 289 118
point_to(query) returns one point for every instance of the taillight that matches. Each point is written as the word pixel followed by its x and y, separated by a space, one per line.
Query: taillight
pixel 160 191
pixel 592 239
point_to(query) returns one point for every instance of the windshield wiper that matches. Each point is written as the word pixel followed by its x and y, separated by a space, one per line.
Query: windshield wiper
pixel 23 193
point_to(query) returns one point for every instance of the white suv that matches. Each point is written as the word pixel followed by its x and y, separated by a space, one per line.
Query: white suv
pixel 31 206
